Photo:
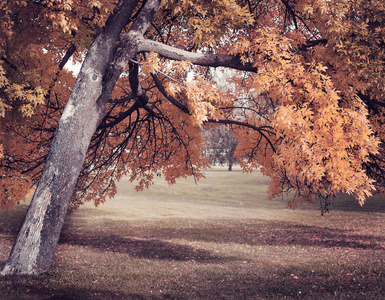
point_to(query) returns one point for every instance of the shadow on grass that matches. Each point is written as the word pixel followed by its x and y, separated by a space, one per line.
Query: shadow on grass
pixel 30 287
pixel 141 248
pixel 253 232
pixel 11 220
pixel 230 284
pixel 127 238
pixel 261 232
pixel 348 203
pixel 238 281
pixel 155 244
pixel 2 264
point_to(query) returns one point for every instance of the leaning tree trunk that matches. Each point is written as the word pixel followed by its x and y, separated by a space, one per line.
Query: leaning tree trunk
pixel 35 246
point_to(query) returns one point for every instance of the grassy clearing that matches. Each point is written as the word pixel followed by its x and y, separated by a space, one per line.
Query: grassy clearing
pixel 220 239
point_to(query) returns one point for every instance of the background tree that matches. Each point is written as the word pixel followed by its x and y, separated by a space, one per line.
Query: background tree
pixel 145 90
pixel 219 145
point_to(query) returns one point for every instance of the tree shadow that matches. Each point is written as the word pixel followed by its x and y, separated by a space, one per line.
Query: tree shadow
pixel 141 248
pixel 155 242
pixel 302 235
pixel 11 220
pixel 234 283
pixel 348 203
pixel 269 233
pixel 31 288
pixel 2 264
pixel 153 245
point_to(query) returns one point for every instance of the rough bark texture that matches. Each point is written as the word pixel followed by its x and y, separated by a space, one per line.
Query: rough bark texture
pixel 35 246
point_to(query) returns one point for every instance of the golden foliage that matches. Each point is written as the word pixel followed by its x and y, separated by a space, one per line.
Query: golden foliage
pixel 310 114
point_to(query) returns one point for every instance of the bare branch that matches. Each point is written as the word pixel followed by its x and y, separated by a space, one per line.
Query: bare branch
pixel 310 44
pixel 71 50
pixel 161 89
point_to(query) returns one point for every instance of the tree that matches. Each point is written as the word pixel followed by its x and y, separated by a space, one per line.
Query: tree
pixel 220 145
pixel 144 91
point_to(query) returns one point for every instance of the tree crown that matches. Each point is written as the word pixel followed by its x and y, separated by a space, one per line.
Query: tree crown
pixel 304 95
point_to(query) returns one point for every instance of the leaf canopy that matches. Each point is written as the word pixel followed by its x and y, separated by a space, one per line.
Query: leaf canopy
pixel 303 91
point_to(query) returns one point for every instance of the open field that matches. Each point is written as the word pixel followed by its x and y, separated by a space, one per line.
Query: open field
pixel 220 239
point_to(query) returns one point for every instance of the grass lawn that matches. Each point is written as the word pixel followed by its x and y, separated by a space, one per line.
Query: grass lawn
pixel 220 239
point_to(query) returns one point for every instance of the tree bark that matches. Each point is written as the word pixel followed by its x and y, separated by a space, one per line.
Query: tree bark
pixel 203 59
pixel 35 246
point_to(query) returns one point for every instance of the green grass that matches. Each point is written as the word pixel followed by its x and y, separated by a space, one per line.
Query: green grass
pixel 220 239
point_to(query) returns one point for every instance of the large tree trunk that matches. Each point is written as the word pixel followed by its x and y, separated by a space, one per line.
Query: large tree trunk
pixel 35 246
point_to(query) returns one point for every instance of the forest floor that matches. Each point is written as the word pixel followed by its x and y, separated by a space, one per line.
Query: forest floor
pixel 219 239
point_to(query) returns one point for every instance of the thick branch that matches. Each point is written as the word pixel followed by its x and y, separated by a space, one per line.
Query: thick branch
pixel 3 58
pixel 121 117
pixel 370 101
pixel 71 50
pixel 145 17
pixel 127 47
pixel 310 44
pixel 202 59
